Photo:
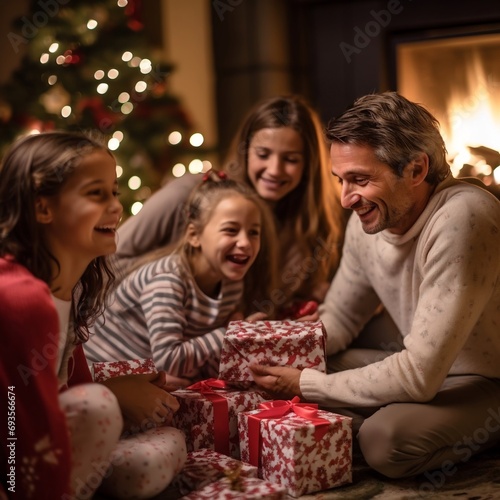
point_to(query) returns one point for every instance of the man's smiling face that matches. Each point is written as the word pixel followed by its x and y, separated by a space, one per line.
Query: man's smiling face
pixel 380 198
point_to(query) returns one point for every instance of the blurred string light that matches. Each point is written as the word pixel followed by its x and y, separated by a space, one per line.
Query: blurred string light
pixel 127 108
pixel 102 88
pixel 174 137
pixel 123 97
pixel 113 144
pixel 140 86
pixel 127 56
pixel 196 140
pixel 145 66
pixel 134 182
pixel 136 207
pixel 178 170
pixel 195 166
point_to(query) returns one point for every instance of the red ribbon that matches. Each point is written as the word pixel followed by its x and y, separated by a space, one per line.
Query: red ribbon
pixel 278 409
pixel 221 411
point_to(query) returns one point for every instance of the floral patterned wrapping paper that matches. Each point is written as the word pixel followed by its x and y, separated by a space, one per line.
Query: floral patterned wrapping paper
pixel 209 419
pixel 204 467
pixel 293 451
pixel 249 488
pixel 275 343
pixel 107 369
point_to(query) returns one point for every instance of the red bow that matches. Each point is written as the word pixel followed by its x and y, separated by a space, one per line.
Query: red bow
pixel 221 411
pixel 278 409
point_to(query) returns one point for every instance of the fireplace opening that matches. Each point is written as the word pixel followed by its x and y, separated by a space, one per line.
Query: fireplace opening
pixel 455 73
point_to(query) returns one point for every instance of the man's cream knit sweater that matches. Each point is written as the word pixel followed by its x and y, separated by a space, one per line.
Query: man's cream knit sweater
pixel 440 282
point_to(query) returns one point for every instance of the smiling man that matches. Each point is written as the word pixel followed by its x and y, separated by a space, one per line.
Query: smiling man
pixel 426 247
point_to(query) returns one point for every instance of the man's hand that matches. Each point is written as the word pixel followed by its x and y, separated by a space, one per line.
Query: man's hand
pixel 281 382
pixel 143 399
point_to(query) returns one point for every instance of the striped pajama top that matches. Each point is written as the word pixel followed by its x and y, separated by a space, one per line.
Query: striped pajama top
pixel 158 311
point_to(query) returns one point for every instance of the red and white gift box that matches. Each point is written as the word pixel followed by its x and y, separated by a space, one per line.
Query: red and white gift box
pixel 208 415
pixel 249 488
pixel 204 467
pixel 107 369
pixel 298 446
pixel 273 343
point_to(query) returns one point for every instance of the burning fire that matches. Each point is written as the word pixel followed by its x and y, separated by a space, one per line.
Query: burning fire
pixel 471 128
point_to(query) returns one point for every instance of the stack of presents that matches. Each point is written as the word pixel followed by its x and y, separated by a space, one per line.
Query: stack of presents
pixel 243 444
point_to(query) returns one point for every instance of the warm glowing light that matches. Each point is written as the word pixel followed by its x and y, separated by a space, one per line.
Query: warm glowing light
pixel 127 108
pixel 113 73
pixel 123 97
pixel 99 74
pixel 127 56
pixel 118 135
pixel 145 66
pixel 53 47
pixel 472 117
pixel 496 175
pixel 141 86
pixel 178 170
pixel 459 161
pixel 119 171
pixel 136 208
pixel 134 182
pixel 44 58
pixel 195 166
pixel 102 88
pixel 66 111
pixel 122 3
pixel 483 168
pixel 60 59
pixel 174 137
pixel 92 24
pixel 113 144
pixel 206 165
pixel 135 61
pixel 196 140
pixel 52 79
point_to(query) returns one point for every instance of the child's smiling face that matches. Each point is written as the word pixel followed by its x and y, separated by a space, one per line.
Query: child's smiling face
pixel 83 217
pixel 229 242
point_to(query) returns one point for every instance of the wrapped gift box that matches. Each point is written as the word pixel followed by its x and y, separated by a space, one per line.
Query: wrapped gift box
pixel 103 370
pixel 303 453
pixel 242 488
pixel 209 415
pixel 204 467
pixel 273 343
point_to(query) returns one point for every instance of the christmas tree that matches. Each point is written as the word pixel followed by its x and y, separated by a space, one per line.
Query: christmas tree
pixel 88 65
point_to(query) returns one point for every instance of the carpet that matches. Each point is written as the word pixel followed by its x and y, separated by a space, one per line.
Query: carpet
pixel 476 479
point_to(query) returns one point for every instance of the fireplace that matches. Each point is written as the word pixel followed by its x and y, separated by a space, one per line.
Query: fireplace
pixel 455 73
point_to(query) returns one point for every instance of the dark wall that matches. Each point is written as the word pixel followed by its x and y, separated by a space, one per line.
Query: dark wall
pixel 259 51
pixel 346 65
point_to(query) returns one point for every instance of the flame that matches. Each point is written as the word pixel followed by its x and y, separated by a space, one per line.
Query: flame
pixel 470 121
